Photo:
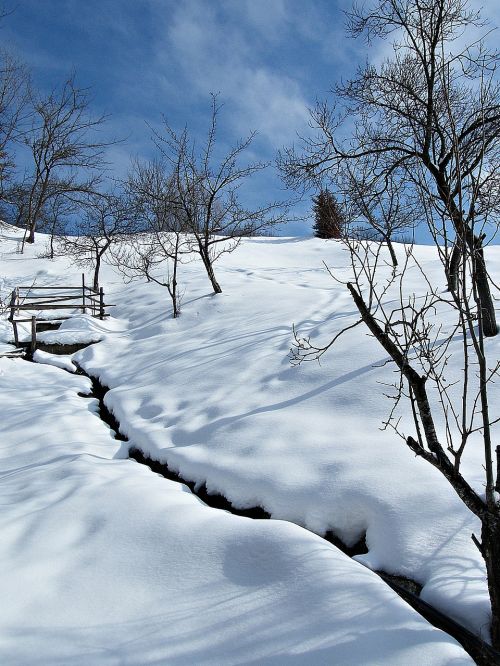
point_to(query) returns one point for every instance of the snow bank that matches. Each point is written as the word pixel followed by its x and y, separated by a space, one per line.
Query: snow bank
pixel 80 329
pixel 104 562
pixel 213 394
pixel 58 360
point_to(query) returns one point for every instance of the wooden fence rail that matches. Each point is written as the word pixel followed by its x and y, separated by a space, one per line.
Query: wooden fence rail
pixel 70 298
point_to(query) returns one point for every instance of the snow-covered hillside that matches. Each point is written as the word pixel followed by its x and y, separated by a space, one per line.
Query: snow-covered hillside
pixel 105 562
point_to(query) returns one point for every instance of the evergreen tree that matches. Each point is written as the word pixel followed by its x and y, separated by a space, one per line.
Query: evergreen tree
pixel 328 219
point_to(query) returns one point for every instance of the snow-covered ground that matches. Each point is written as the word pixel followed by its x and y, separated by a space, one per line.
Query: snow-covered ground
pixel 105 562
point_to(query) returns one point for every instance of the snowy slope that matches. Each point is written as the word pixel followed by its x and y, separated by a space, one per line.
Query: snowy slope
pixel 103 562
pixel 213 394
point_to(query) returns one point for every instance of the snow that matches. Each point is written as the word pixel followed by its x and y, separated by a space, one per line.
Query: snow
pixel 58 360
pixel 214 395
pixel 80 329
pixel 106 562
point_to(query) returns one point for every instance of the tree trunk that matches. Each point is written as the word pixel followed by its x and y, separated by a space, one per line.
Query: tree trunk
pixel 207 262
pixel 435 454
pixel 33 215
pixel 486 303
pixel 474 245
pixel 453 268
pixel 173 296
pixel 96 271
pixel 490 542
pixel 173 285
pixel 392 252
pixel 30 238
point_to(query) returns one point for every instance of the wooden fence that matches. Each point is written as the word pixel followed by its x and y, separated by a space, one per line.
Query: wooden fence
pixel 33 304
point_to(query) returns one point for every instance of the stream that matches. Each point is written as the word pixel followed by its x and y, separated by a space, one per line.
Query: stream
pixel 482 653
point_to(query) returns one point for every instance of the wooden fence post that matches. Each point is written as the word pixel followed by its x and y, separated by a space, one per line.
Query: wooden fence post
pixel 33 334
pixel 12 315
pixel 101 303
pixel 83 293
pixel 12 304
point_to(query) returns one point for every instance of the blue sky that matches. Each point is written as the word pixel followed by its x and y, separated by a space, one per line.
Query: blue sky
pixel 268 59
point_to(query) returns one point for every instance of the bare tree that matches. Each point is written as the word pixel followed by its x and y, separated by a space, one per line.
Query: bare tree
pixel 150 188
pixel 156 256
pixel 13 98
pixel 437 340
pixel 105 219
pixel 401 112
pixel 55 220
pixel 67 158
pixel 375 209
pixel 159 244
pixel 206 193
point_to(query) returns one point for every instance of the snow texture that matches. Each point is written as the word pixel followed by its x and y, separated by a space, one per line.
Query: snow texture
pixel 58 360
pixel 105 562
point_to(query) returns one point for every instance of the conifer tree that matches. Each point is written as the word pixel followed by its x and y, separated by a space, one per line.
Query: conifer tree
pixel 328 219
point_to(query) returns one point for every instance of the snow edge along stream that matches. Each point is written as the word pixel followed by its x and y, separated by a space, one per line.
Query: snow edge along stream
pixel 406 588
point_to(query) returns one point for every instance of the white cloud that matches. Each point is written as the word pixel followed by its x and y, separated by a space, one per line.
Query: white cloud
pixel 218 51
pixel 270 18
